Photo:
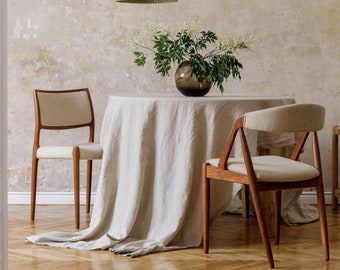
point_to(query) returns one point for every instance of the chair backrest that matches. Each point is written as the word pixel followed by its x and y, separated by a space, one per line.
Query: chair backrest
pixel 295 118
pixel 287 118
pixel 63 109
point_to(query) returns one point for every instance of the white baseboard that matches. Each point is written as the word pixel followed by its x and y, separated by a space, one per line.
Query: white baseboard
pixel 310 197
pixel 67 197
pixel 47 198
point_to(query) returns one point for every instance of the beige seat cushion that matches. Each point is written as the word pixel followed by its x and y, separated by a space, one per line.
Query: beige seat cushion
pixel 88 151
pixel 272 168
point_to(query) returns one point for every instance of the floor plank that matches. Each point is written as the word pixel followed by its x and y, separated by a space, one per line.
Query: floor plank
pixel 235 244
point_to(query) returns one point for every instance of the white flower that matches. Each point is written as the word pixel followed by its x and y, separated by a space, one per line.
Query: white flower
pixel 231 44
pixel 192 28
pixel 144 36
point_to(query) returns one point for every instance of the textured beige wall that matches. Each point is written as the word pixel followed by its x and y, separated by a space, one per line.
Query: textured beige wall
pixel 70 44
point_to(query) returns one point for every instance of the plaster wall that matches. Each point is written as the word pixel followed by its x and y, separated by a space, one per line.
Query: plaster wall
pixel 70 44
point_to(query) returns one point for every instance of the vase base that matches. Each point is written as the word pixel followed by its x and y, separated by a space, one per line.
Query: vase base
pixel 193 92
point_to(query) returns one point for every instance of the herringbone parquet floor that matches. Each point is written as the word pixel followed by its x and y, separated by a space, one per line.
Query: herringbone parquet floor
pixel 235 244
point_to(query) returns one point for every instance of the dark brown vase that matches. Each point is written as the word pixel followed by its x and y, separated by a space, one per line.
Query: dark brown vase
pixel 188 85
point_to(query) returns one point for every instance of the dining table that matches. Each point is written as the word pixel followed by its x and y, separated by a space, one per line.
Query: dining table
pixel 149 193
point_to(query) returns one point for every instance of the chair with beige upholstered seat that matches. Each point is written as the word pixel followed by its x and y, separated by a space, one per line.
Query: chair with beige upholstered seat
pixel 61 110
pixel 265 173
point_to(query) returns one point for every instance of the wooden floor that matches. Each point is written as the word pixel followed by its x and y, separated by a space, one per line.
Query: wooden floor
pixel 235 244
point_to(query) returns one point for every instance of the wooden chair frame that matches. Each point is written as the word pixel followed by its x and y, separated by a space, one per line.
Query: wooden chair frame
pixel 335 164
pixel 39 126
pixel 222 173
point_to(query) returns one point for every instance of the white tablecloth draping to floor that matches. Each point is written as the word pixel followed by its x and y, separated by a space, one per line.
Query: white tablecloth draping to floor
pixel 149 192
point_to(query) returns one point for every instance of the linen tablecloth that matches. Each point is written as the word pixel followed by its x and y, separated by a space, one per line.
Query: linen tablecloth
pixel 149 192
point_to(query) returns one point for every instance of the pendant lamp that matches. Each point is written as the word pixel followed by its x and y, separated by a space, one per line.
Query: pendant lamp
pixel 147 1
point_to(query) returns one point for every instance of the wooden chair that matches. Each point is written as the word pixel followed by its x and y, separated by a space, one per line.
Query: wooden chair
pixel 265 173
pixel 61 110
pixel 335 164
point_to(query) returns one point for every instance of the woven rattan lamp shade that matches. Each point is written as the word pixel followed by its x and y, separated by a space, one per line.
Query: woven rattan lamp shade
pixel 147 1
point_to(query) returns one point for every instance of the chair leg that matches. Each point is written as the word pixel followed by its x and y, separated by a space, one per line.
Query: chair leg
pixel 206 208
pixel 76 161
pixel 35 162
pixel 334 167
pixel 323 219
pixel 245 201
pixel 88 185
pixel 277 215
pixel 262 224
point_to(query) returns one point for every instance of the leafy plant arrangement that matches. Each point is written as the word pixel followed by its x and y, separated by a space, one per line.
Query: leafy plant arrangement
pixel 210 56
